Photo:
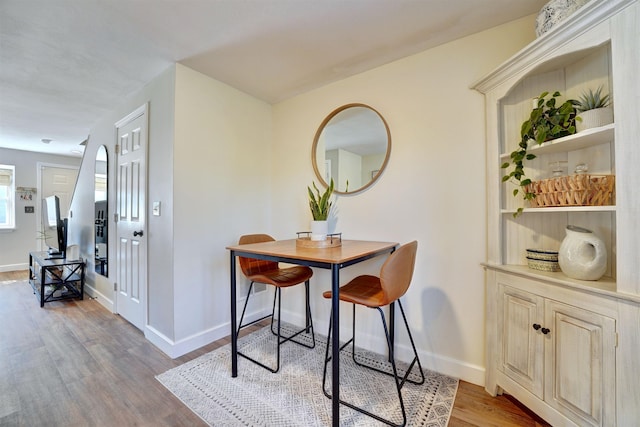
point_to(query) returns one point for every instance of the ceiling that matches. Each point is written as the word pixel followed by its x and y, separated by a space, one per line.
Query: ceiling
pixel 65 63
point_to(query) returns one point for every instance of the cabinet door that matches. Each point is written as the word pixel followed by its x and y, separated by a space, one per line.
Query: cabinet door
pixel 521 347
pixel 580 357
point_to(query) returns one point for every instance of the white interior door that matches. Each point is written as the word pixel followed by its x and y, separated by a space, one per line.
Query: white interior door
pixel 131 247
pixel 56 180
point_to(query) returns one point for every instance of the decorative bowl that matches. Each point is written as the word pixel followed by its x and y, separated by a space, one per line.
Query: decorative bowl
pixel 542 255
pixel 542 265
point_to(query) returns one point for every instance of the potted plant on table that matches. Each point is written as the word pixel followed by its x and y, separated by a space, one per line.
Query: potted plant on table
pixel 594 110
pixel 546 122
pixel 320 206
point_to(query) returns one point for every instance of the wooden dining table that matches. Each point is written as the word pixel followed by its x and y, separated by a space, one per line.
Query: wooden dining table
pixel 350 252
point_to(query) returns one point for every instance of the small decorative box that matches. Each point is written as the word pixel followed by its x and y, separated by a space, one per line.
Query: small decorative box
pixel 542 260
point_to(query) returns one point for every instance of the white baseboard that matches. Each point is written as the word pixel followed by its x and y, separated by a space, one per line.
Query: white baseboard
pixel 175 349
pixel 186 345
pixel 438 363
pixel 14 267
pixel 468 372
pixel 101 298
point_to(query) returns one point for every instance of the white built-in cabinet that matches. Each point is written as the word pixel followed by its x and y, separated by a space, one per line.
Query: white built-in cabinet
pixel 567 349
pixel 561 353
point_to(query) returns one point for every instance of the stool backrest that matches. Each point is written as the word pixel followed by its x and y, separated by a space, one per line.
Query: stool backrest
pixel 251 266
pixel 397 271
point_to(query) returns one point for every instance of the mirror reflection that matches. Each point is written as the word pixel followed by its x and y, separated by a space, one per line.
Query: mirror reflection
pixel 101 203
pixel 352 147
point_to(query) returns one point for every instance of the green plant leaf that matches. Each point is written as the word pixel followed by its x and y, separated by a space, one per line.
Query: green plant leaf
pixel 319 204
pixel 547 121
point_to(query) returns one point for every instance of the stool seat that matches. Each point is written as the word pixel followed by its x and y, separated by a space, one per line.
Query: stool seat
pixel 270 273
pixel 364 290
pixel 282 277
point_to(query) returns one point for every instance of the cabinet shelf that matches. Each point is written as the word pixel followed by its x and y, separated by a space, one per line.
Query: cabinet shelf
pixel 585 139
pixel 604 286
pixel 608 208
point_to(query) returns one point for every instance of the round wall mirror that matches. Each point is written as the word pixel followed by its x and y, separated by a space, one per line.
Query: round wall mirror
pixel 352 147
pixel 101 215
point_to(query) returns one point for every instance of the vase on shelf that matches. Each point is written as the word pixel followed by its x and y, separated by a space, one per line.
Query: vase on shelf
pixel 594 118
pixel 582 254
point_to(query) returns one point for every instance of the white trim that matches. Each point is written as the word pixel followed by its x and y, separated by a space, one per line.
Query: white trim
pixel 140 111
pixel 101 298
pixel 176 349
pixel 186 345
pixel 12 211
pixel 14 267
pixel 537 51
pixel 468 372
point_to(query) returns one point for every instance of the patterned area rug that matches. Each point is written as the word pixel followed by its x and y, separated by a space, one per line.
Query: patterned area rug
pixel 293 396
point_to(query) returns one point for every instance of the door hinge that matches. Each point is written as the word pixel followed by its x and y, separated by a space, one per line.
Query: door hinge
pixel 115 286
pixel 115 217
pixel 616 340
pixel 117 149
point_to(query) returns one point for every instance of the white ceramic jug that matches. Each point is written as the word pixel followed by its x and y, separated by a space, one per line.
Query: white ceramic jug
pixel 582 254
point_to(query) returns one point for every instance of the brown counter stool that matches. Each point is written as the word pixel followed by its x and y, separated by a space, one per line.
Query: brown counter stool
pixel 376 292
pixel 269 273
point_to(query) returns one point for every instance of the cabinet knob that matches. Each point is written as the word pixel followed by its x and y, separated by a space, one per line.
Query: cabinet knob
pixel 536 326
pixel 545 330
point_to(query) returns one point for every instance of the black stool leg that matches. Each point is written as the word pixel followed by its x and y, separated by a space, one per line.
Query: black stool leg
pixel 399 381
pixel 278 332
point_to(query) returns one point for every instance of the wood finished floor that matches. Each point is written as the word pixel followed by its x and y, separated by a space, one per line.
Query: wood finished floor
pixel 74 363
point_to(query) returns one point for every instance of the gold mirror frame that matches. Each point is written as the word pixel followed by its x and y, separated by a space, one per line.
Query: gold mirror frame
pixel 375 173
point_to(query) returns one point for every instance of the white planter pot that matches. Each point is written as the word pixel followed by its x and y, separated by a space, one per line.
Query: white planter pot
pixel 582 254
pixel 319 230
pixel 594 118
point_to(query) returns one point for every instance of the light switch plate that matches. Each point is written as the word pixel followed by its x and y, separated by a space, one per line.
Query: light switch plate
pixel 156 208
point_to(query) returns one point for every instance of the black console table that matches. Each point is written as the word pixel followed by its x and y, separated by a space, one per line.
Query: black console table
pixel 55 279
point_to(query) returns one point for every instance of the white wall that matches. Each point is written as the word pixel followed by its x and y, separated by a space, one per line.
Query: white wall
pixel 433 189
pixel 222 170
pixel 159 94
pixel 224 164
pixel 16 244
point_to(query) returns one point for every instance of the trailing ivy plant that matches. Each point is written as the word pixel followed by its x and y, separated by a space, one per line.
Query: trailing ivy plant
pixel 547 121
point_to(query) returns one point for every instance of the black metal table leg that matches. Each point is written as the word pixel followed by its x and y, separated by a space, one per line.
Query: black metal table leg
pixel 234 333
pixel 335 345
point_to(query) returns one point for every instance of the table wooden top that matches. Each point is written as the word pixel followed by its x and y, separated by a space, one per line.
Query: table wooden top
pixel 350 250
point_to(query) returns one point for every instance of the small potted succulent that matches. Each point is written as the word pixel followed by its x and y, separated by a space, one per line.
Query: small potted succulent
pixel 320 206
pixel 547 121
pixel 594 110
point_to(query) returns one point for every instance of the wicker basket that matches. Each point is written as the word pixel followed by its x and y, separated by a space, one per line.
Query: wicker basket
pixel 542 265
pixel 573 190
